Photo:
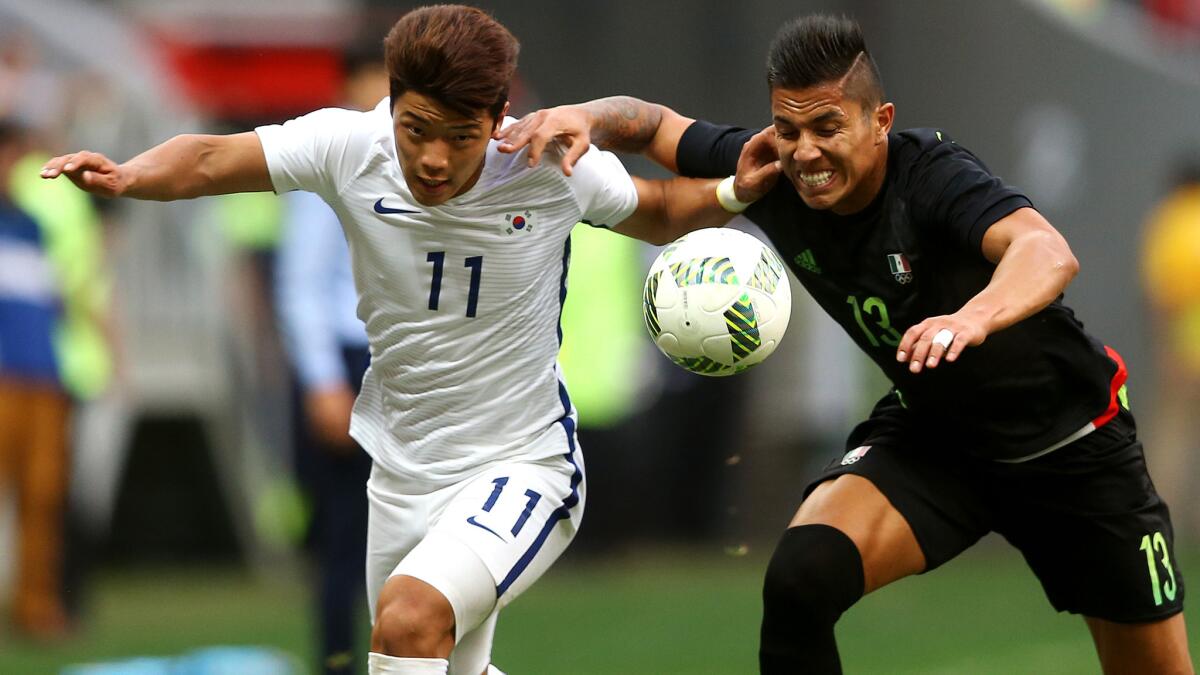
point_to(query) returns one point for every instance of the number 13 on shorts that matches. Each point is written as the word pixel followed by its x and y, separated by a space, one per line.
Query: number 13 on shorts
pixel 1155 547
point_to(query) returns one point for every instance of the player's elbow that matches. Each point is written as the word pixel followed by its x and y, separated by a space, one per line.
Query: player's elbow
pixel 661 235
pixel 1065 264
pixel 1068 266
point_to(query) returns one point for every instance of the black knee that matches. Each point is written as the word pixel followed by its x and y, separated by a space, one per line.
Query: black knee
pixel 815 575
pixel 816 571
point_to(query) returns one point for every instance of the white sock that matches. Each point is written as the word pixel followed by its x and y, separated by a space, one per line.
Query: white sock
pixel 493 670
pixel 382 664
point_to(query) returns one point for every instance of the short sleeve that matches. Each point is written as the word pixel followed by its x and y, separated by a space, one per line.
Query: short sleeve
pixel 955 191
pixel 708 150
pixel 605 192
pixel 315 152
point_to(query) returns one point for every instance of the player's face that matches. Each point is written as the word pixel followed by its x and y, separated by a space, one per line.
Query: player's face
pixel 832 150
pixel 441 150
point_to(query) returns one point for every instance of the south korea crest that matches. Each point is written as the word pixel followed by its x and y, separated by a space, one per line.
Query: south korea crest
pixel 900 267
pixel 515 223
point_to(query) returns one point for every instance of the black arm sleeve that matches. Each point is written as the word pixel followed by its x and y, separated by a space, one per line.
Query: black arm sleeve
pixel 956 193
pixel 708 150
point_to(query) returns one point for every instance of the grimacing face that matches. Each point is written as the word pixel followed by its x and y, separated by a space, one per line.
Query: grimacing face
pixel 441 150
pixel 833 151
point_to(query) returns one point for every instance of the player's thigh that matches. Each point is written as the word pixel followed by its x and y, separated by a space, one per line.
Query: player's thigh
pixel 473 652
pixel 1093 529
pixel 518 518
pixel 908 508
pixel 490 540
pixel 884 539
pixel 1158 647
pixel 396 523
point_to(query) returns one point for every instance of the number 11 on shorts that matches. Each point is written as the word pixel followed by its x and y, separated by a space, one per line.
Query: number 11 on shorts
pixel 531 500
pixel 1152 545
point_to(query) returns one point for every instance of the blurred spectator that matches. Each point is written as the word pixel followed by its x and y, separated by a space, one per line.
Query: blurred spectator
pixel 74 241
pixel 34 407
pixel 30 93
pixel 1171 274
pixel 1181 14
pixel 327 344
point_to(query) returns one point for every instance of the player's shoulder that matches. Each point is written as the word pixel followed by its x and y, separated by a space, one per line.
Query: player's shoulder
pixel 921 150
pixel 922 141
pixel 513 168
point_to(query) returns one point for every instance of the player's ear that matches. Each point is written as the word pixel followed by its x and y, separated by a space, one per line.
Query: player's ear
pixel 499 121
pixel 883 117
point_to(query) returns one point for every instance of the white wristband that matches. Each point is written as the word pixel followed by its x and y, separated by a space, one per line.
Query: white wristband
pixel 728 198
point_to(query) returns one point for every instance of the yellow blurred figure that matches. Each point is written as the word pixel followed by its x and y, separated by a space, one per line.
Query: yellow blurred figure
pixel 1171 278
pixel 1171 273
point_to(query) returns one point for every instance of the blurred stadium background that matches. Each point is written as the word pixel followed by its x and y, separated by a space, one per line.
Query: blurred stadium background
pixel 186 529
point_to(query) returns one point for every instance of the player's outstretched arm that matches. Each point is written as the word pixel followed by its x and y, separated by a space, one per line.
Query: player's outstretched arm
pixel 669 209
pixel 1034 264
pixel 619 123
pixel 187 166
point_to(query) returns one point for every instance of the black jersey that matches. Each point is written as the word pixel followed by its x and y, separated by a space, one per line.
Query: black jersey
pixel 916 252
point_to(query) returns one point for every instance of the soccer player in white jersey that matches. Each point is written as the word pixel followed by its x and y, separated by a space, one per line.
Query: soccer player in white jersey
pixel 460 258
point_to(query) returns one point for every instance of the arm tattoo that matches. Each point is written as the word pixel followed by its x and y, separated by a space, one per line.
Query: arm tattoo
pixel 623 123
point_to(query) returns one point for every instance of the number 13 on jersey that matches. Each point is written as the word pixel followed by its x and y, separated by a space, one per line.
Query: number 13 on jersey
pixel 474 263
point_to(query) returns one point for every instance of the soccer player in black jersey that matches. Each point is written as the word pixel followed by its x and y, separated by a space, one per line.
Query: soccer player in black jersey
pixel 1005 415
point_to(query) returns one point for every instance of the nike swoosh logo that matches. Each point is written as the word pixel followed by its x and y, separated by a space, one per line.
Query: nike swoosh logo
pixel 380 208
pixel 480 525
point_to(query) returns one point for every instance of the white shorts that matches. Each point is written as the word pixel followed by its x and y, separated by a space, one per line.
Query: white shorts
pixel 480 542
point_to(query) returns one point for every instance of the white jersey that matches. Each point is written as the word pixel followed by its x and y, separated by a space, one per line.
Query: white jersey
pixel 461 301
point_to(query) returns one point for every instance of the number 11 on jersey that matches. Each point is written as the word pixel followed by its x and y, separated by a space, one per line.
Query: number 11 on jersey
pixel 438 259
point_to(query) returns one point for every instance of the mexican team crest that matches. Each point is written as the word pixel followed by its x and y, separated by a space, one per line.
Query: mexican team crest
pixel 900 267
pixel 855 455
pixel 518 222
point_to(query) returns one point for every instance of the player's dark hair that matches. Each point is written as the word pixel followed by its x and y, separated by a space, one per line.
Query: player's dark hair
pixel 457 55
pixel 821 48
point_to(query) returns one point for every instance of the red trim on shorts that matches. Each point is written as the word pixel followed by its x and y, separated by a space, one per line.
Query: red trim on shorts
pixel 1118 381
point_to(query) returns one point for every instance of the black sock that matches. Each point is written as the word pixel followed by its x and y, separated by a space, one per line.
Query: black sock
pixel 815 574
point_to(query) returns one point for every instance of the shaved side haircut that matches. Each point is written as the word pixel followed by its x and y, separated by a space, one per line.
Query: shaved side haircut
pixel 820 49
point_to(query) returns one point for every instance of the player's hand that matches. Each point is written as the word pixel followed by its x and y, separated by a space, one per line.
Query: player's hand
pixel 758 166
pixel 567 124
pixel 91 172
pixel 938 338
pixel 328 411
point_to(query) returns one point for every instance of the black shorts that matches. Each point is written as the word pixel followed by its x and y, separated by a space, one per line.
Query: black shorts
pixel 1085 516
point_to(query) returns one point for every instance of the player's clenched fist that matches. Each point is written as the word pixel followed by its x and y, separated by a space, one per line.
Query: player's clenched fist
pixel 90 171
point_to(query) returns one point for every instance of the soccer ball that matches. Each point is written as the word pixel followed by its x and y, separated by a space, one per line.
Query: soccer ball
pixel 717 301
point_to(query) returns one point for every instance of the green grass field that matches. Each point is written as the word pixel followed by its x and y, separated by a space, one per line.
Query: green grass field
pixel 678 612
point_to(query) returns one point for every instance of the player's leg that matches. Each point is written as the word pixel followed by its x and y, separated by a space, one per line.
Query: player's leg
pixel 396 523
pixel 493 538
pixel 889 508
pixel 552 493
pixel 415 619
pixel 1100 540
pixel 1154 648
pixel 846 540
